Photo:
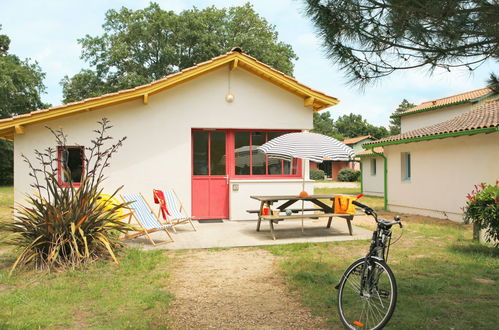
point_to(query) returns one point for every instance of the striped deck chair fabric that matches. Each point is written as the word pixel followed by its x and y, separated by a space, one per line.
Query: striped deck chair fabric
pixel 176 210
pixel 145 216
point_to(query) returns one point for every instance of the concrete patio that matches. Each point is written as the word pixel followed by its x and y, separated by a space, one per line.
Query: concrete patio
pixel 243 233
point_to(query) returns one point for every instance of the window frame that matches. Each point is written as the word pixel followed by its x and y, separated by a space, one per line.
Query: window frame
pixel 406 166
pixel 297 161
pixel 373 168
pixel 230 153
pixel 61 183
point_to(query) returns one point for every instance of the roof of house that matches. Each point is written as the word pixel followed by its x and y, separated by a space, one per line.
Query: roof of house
pixel 235 58
pixel 357 139
pixel 369 152
pixel 467 97
pixel 483 119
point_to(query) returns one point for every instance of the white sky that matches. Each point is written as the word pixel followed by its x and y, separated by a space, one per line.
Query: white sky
pixel 47 31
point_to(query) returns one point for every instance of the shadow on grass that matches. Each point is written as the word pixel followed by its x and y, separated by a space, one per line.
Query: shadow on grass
pixel 475 249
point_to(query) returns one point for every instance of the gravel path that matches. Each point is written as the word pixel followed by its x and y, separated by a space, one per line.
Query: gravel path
pixel 234 289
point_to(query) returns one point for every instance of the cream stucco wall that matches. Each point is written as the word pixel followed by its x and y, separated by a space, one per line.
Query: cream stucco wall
pixel 372 185
pixel 428 118
pixel 157 152
pixel 443 173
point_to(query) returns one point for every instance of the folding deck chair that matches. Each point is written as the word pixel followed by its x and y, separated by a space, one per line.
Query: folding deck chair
pixel 172 208
pixel 146 218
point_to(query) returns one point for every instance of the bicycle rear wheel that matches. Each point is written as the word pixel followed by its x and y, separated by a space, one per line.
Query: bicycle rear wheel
pixel 373 307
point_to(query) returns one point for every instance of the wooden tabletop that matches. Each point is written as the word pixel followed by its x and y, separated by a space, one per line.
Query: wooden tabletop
pixel 290 197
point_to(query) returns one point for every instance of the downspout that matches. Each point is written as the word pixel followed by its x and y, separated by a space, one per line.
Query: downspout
pixel 385 176
pixel 361 175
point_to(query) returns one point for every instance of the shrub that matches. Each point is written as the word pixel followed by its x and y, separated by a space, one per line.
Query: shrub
pixel 317 174
pixel 62 225
pixel 348 175
pixel 482 210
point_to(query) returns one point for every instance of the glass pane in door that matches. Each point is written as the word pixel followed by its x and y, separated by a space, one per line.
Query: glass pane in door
pixel 217 153
pixel 200 152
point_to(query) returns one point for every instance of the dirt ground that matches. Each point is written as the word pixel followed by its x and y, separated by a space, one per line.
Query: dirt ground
pixel 234 289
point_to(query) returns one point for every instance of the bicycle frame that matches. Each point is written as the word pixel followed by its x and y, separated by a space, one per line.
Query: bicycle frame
pixel 379 249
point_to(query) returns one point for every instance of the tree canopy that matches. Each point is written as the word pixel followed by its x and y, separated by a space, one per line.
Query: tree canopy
pixel 395 121
pixel 21 83
pixel 346 126
pixel 140 46
pixel 370 39
pixel 352 125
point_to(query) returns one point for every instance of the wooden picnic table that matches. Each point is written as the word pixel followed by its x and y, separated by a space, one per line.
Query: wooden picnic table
pixel 288 200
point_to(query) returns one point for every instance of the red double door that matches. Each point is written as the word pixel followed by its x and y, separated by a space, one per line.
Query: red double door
pixel 210 179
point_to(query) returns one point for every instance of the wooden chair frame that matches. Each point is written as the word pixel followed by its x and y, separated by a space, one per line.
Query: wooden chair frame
pixel 146 231
pixel 173 221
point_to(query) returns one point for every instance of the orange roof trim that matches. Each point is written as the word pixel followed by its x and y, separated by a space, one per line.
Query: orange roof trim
pixel 357 139
pixel 317 100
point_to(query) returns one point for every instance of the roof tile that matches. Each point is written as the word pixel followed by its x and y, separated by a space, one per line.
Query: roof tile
pixel 484 116
pixel 463 97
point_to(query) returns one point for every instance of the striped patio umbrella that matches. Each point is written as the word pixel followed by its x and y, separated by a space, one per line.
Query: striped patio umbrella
pixel 310 146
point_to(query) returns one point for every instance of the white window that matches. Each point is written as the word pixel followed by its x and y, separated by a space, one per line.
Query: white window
pixel 406 166
pixel 373 166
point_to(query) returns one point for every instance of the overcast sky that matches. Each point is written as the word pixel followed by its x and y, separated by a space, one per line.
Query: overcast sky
pixel 47 31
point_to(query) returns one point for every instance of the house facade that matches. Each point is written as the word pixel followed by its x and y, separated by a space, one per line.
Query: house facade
pixel 195 131
pixel 332 168
pixel 372 171
pixel 432 165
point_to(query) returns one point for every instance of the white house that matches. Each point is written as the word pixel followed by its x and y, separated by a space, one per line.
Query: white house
pixel 446 147
pixel 195 131
pixel 372 172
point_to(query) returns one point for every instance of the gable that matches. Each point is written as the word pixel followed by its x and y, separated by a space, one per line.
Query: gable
pixel 235 60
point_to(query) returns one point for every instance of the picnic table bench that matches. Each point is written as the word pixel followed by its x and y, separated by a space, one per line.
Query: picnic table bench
pixel 327 211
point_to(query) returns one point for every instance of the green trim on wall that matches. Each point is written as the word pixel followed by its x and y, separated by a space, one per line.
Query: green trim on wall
pixel 361 181
pixel 364 156
pixel 434 137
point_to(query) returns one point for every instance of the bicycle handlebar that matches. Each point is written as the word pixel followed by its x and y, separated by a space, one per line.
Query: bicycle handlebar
pixel 370 211
pixel 366 208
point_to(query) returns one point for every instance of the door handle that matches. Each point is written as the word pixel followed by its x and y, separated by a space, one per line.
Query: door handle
pixel 226 179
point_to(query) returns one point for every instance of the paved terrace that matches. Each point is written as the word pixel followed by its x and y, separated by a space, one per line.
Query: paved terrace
pixel 243 233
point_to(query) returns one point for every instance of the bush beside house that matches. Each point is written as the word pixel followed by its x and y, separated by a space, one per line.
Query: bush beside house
pixel 348 175
pixel 317 174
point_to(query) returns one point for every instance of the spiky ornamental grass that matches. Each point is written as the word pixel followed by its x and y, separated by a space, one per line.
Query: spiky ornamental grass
pixel 62 226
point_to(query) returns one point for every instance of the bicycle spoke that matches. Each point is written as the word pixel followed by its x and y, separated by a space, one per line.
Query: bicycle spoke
pixel 366 305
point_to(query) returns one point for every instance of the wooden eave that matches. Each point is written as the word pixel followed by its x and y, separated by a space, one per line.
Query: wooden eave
pixel 235 59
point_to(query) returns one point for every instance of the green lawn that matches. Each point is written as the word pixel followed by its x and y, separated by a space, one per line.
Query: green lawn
pixel 131 295
pixel 445 281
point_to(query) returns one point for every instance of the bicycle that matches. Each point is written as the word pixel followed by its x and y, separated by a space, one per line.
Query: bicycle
pixel 367 292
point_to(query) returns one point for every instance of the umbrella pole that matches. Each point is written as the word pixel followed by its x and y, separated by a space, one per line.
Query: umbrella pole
pixel 302 203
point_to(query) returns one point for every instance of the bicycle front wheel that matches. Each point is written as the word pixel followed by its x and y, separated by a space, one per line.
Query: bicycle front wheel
pixel 367 295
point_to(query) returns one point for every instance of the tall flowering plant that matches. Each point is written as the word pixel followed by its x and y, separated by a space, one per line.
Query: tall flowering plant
pixel 482 209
